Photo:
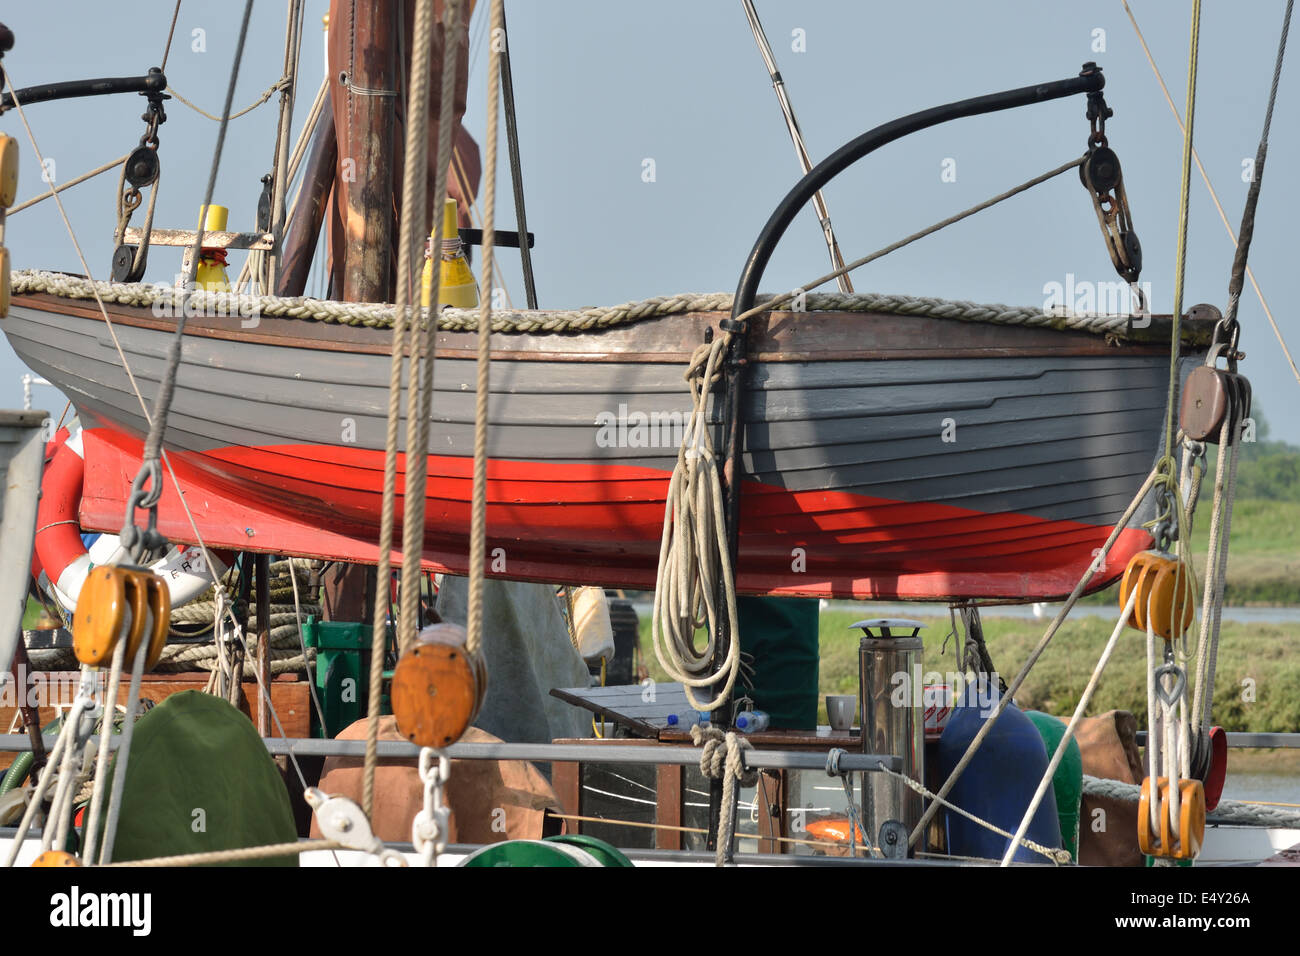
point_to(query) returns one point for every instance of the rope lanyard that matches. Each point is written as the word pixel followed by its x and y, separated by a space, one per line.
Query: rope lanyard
pixel 1167 467
pixel 478 507
pixel 413 339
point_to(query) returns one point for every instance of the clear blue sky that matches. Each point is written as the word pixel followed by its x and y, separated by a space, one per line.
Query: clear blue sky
pixel 603 86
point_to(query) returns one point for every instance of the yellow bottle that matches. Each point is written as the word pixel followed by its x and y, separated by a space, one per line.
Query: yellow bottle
pixel 456 286
pixel 211 274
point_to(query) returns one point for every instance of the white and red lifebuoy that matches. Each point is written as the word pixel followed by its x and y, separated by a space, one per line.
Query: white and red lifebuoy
pixel 62 559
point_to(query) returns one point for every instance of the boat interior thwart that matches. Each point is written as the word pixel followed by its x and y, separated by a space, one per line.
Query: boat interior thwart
pixel 835 445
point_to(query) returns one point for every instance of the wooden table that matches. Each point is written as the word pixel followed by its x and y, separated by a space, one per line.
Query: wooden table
pixel 643 710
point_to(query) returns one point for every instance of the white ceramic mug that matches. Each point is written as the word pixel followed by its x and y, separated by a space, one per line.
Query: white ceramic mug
pixel 841 709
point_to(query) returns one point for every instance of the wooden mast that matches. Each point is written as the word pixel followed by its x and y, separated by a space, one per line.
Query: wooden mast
pixel 363 93
pixel 309 211
pixel 363 85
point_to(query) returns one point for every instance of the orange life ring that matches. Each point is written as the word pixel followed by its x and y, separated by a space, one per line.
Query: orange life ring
pixel 61 556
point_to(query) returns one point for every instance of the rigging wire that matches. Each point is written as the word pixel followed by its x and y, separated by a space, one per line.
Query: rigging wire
pixel 126 367
pixel 68 185
pixel 167 387
pixel 171 31
pixel 1180 264
pixel 796 134
pixel 516 167
pixel 770 304
pixel 1223 216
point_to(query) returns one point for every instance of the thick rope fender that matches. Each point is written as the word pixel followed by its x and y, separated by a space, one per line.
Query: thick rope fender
pixel 167 300
pixel 723 756
pixel 1228 812
pixel 62 556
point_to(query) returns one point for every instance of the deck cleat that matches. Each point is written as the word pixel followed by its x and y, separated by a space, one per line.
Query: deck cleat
pixel 438 687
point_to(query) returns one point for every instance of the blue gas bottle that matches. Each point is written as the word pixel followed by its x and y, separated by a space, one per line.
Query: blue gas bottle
pixel 1000 780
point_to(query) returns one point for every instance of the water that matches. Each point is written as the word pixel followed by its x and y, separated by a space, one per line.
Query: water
pixel 1045 612
pixel 1267 787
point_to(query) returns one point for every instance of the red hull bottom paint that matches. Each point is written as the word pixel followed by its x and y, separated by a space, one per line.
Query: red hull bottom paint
pixel 596 524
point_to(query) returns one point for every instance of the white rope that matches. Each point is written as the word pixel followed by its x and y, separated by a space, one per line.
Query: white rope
pixel 1215 573
pixel 105 735
pixel 723 758
pixel 1084 700
pixel 1055 854
pixel 1226 813
pixel 1035 654
pixel 380 315
pixel 693 553
pixel 123 754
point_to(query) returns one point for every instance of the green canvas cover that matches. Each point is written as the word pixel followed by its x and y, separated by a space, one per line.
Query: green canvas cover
pixel 781 634
pixel 199 779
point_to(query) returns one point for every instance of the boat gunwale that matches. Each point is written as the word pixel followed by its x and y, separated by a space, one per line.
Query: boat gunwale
pixel 778 336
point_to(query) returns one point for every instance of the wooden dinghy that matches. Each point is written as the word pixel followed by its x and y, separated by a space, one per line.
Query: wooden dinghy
pixel 888 456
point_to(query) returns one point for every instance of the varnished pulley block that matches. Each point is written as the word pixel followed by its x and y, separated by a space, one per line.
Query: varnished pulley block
pixel 1209 396
pixel 1164 586
pixel 1191 820
pixel 438 687
pixel 120 603
pixel 8 171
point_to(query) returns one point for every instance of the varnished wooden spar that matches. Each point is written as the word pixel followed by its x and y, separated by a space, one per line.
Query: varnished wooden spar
pixel 309 212
pixel 363 50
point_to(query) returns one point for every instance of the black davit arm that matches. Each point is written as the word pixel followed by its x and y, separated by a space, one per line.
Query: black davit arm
pixel 153 82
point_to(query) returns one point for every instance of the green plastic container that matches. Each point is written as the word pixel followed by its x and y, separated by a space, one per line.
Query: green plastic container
pixel 1067 783
pixel 780 635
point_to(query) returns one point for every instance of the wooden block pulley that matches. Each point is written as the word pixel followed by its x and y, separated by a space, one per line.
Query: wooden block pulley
pixel 120 603
pixel 8 171
pixel 438 687
pixel 1164 585
pixel 1209 396
pixel 1191 820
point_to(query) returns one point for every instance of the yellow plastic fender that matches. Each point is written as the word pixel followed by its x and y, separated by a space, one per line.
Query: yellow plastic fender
pixel 8 171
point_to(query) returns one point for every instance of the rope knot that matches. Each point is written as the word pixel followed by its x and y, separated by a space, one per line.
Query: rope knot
pixel 722 756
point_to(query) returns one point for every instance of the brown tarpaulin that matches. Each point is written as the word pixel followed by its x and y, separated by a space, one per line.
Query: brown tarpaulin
pixel 1108 827
pixel 490 800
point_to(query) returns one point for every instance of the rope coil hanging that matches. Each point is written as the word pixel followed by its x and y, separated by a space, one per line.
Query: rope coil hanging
pixel 693 557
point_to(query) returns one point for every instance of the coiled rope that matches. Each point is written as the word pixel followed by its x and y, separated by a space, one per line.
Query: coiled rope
pixel 167 300
pixel 693 554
